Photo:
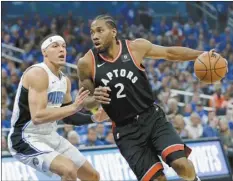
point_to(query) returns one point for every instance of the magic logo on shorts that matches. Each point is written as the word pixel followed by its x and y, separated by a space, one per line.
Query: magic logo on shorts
pixel 55 98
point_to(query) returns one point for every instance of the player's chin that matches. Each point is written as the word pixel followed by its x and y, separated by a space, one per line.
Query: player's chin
pixel 62 62
pixel 100 49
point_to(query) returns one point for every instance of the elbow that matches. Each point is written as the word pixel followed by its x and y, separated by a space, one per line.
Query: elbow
pixel 37 120
pixel 170 55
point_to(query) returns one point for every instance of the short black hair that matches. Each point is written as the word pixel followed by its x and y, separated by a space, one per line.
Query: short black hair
pixel 108 19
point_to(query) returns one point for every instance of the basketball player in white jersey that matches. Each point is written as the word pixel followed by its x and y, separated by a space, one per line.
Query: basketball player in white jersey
pixel 43 96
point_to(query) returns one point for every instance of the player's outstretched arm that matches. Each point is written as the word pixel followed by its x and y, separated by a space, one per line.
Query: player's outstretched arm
pixel 84 69
pixel 173 53
pixel 36 79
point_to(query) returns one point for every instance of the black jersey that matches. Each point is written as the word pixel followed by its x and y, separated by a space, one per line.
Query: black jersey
pixel 130 92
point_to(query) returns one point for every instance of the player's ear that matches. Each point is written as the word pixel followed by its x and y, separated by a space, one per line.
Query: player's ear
pixel 44 53
pixel 114 32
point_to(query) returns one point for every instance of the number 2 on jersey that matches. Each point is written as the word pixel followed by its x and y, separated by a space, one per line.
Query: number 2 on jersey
pixel 119 93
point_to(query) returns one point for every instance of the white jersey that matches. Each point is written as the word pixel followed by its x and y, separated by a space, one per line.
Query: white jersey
pixel 21 117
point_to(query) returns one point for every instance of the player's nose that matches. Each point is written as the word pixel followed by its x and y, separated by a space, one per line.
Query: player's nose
pixel 61 49
pixel 95 37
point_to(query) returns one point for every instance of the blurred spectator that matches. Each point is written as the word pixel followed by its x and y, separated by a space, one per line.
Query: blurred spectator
pixel 173 108
pixel 179 125
pixel 229 112
pixel 201 112
pixel 225 134
pixel 175 35
pixel 194 128
pixel 67 129
pixel 100 130
pixel 92 138
pixel 109 140
pixel 145 16
pixel 187 110
pixel 73 138
pixel 211 129
pixel 218 99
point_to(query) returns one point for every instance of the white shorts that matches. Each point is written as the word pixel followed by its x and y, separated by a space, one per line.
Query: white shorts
pixel 38 151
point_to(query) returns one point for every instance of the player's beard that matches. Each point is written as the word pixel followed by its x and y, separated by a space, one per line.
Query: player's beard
pixel 104 50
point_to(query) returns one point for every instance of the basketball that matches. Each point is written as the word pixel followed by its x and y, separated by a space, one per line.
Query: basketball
pixel 210 67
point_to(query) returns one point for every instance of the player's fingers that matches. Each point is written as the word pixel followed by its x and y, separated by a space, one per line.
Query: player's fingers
pixel 106 89
pixel 212 51
pixel 80 90
pixel 226 61
pixel 83 98
pixel 83 94
pixel 102 89
pixel 102 99
pixel 104 102
pixel 86 92
pixel 101 94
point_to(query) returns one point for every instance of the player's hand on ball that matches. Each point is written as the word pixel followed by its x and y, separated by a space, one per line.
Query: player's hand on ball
pixel 82 95
pixel 100 115
pixel 101 95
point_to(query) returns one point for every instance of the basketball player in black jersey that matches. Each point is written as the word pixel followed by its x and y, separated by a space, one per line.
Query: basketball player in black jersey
pixel 115 76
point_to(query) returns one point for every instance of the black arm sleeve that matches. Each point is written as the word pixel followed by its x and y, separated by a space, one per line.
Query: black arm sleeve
pixel 78 118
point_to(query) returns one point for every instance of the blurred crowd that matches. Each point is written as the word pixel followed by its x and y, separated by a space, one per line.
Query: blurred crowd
pixel 197 117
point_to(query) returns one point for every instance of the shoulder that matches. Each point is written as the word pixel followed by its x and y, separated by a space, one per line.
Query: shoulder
pixel 85 65
pixel 86 59
pixel 36 77
pixel 138 44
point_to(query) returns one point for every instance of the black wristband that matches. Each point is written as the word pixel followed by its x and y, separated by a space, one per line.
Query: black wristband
pixel 66 104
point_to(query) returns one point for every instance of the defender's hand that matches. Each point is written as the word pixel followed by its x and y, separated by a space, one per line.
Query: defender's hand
pixel 82 95
pixel 101 95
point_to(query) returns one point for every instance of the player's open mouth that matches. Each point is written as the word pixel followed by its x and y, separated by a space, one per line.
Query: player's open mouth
pixel 61 56
pixel 97 44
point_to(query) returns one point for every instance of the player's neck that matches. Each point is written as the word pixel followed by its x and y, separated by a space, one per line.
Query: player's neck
pixel 54 69
pixel 112 51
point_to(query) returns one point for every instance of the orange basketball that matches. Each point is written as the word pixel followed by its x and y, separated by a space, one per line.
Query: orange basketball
pixel 210 67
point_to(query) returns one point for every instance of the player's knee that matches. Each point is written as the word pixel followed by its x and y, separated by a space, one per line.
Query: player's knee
pixel 183 168
pixel 70 172
pixel 96 176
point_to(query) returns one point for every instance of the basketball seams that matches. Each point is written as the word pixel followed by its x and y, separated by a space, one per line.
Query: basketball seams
pixel 218 74
pixel 206 71
pixel 217 61
pixel 210 68
pixel 215 69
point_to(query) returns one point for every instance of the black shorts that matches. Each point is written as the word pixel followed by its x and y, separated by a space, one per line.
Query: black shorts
pixel 144 137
